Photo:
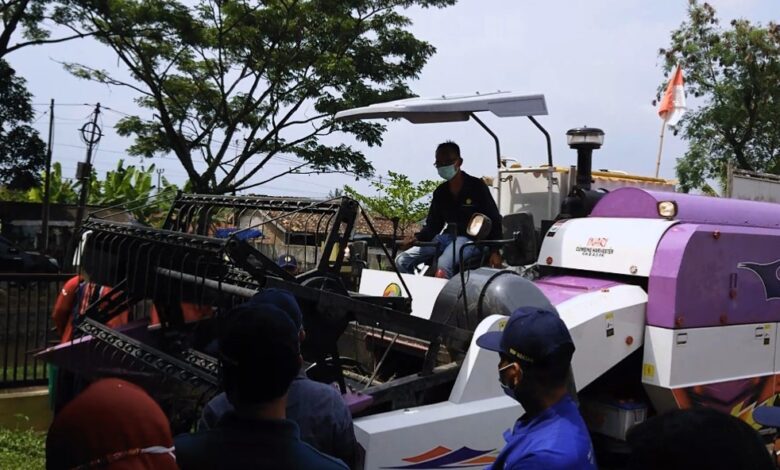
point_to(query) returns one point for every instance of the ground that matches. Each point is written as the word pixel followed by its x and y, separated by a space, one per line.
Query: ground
pixel 22 449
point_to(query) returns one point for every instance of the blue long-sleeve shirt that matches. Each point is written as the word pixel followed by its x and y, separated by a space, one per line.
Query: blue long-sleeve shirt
pixel 557 439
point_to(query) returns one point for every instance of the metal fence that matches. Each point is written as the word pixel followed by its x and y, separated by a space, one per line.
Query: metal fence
pixel 26 302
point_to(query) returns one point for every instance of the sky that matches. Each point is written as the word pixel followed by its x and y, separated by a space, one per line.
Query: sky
pixel 596 62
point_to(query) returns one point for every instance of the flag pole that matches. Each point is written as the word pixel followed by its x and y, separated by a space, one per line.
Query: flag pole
pixel 660 149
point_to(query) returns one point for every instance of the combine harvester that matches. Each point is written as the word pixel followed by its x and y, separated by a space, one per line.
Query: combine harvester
pixel 670 299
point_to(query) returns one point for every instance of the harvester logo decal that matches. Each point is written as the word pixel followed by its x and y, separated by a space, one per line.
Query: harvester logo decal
pixel 392 290
pixel 443 457
pixel 768 275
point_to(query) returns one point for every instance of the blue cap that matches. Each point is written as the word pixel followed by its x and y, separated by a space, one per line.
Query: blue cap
pixel 281 299
pixel 240 234
pixel 767 416
pixel 287 260
pixel 531 334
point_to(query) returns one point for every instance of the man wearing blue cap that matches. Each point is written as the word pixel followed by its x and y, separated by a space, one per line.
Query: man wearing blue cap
pixel 321 414
pixel 260 356
pixel 288 263
pixel 535 352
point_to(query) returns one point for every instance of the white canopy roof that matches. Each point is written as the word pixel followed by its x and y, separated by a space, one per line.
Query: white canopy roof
pixel 451 108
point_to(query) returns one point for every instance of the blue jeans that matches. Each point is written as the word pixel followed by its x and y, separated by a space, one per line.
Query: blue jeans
pixel 409 259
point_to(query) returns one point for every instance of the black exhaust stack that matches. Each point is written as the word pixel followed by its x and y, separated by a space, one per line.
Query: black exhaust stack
pixel 581 198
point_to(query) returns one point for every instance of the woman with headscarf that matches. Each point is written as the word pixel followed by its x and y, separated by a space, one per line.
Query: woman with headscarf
pixel 114 425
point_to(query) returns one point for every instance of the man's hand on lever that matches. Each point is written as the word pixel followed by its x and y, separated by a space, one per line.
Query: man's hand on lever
pixel 407 242
pixel 495 260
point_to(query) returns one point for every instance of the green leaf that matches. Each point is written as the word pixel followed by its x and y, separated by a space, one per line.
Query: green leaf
pixel 229 81
pixel 398 198
pixel 735 73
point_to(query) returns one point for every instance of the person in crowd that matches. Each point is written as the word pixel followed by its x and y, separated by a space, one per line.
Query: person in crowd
pixel 318 409
pixel 696 438
pixel 288 263
pixel 260 354
pixel 113 424
pixel 72 303
pixel 535 351
pixel 73 300
pixel 454 202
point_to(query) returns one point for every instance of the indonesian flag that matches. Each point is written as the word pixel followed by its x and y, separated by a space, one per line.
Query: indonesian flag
pixel 673 104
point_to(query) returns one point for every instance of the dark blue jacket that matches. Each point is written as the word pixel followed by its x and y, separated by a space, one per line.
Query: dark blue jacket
pixel 445 208
pixel 237 443
pixel 319 411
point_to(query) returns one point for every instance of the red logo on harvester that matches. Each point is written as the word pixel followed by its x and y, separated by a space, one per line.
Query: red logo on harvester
pixel 597 242
pixel 442 457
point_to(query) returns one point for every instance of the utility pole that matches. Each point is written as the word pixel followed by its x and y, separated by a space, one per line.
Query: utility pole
pixel 159 172
pixel 90 134
pixel 47 183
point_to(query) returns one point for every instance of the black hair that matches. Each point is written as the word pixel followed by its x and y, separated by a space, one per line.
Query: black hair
pixel 260 354
pixel 449 148
pixel 696 438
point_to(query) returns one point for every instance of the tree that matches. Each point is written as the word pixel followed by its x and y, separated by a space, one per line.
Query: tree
pixel 127 187
pixel 22 152
pixel 24 23
pixel 133 189
pixel 734 74
pixel 61 190
pixel 400 198
pixel 31 17
pixel 229 80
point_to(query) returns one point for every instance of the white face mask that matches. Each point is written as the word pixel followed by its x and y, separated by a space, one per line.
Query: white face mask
pixel 447 172
pixel 509 391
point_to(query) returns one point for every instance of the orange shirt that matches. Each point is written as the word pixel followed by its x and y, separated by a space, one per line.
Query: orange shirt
pixel 65 305
pixel 190 312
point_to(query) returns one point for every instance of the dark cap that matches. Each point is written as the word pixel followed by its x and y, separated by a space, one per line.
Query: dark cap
pixel 282 299
pixel 260 352
pixel 532 335
pixel 287 261
pixel 767 416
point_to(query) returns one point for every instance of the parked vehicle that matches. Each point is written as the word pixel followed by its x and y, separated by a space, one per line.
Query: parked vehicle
pixel 15 260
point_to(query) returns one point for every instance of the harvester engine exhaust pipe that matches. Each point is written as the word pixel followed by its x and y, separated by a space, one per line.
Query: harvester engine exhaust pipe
pixel 584 140
pixel 581 199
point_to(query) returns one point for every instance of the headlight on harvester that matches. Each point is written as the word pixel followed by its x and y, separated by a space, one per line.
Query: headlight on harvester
pixel 667 209
pixel 479 226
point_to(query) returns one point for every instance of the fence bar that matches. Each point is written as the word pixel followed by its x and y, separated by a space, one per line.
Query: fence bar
pixel 26 312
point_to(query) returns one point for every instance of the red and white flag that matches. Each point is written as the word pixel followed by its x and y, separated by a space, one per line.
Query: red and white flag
pixel 672 105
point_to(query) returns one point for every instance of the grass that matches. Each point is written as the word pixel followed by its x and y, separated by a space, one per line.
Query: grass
pixel 34 372
pixel 22 449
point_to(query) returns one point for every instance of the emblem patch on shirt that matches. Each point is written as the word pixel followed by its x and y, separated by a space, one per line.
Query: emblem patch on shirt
pixel 468 201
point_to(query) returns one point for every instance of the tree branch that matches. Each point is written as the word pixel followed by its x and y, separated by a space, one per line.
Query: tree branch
pixel 290 171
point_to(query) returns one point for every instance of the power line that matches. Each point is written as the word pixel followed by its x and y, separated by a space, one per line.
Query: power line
pixel 63 104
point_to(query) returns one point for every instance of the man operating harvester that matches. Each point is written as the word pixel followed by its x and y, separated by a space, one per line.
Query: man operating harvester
pixel 535 351
pixel 454 202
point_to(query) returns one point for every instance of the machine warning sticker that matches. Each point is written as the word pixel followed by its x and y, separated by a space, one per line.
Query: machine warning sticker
pixel 596 247
pixel 554 228
pixel 648 370
pixel 610 324
pixel 763 334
